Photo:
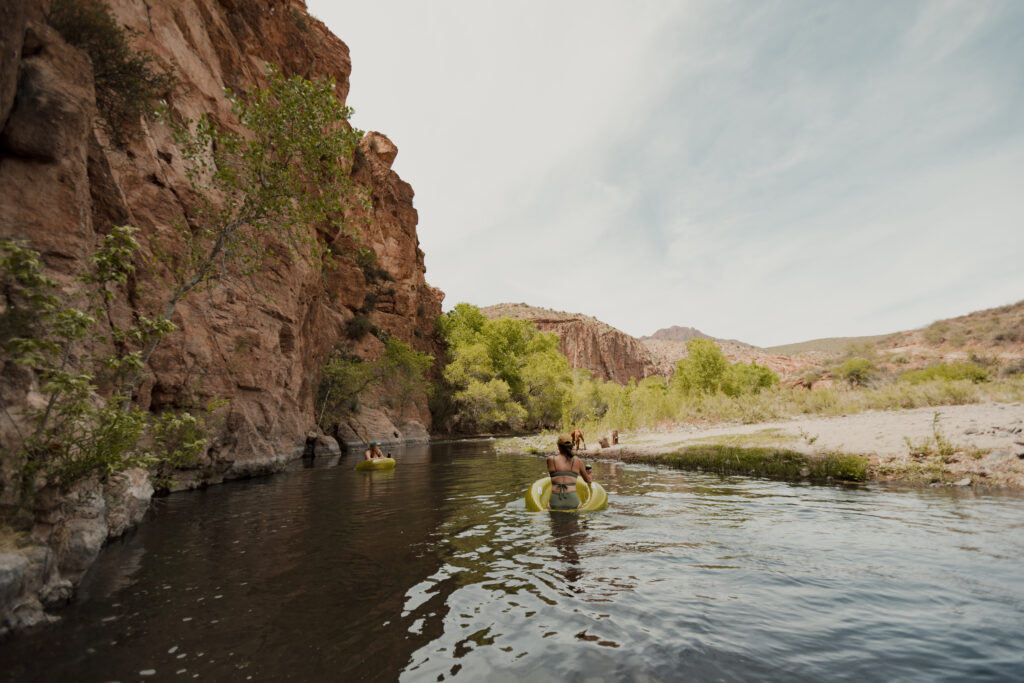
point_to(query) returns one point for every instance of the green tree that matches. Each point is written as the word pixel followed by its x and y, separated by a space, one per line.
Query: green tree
pixel 265 191
pixel 345 379
pixel 703 371
pixel 78 430
pixel 856 371
pixel 502 374
pixel 748 378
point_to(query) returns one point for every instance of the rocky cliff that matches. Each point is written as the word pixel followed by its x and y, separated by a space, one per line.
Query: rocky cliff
pixel 587 342
pixel 616 356
pixel 257 341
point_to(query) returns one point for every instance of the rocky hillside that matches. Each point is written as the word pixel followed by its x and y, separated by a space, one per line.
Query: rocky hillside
pixel 614 355
pixel 258 341
pixel 587 342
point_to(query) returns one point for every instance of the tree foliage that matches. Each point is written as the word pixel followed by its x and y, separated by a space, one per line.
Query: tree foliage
pixel 400 373
pixel 83 360
pixel 263 194
pixel 502 374
pixel 706 370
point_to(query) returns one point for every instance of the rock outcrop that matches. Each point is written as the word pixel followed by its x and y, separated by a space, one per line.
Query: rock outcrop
pixel 588 343
pixel 257 341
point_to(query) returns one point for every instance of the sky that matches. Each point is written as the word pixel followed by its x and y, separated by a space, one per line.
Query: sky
pixel 765 171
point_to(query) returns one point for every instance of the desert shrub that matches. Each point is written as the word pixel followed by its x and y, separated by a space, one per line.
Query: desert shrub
pixel 1015 368
pixel 373 272
pixel 358 326
pixel 936 332
pixel 125 80
pixel 767 462
pixel 748 378
pixel 1012 332
pixel 946 371
pixel 856 371
pixel 899 359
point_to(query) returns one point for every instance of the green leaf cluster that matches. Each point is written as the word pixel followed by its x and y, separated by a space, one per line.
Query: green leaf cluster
pixel 502 374
pixel 400 372
pixel 86 425
pixel 706 370
pixel 856 371
pixel 949 372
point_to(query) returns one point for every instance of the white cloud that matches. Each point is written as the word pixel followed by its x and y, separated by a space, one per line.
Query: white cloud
pixel 764 172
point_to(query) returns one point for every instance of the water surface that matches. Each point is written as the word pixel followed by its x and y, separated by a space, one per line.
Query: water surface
pixel 435 571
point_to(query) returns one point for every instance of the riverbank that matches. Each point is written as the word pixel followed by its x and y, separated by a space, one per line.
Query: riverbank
pixel 966 445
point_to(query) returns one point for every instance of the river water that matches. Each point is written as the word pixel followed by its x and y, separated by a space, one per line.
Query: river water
pixel 435 572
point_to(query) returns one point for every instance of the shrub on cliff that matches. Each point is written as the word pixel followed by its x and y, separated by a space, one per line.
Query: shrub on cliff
pixel 345 378
pixel 125 81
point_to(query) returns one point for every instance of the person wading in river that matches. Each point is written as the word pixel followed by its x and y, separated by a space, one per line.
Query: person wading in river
pixel 564 468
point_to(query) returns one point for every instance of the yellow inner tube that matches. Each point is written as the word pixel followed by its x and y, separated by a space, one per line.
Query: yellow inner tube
pixel 592 496
pixel 376 464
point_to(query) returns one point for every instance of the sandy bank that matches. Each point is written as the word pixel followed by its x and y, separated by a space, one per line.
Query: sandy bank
pixel 981 445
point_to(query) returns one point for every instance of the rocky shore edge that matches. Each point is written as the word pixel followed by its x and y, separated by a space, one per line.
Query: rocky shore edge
pixel 39 573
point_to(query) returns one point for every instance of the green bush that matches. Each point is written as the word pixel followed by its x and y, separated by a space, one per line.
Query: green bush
pixel 126 84
pixel 748 378
pixel 767 462
pixel 400 371
pixel 704 369
pixel 502 374
pixel 358 326
pixel 946 371
pixel 856 371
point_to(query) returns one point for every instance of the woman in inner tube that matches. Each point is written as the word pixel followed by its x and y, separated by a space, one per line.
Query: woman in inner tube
pixel 564 468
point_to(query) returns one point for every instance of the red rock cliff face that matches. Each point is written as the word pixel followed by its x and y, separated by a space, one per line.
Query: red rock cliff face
pixel 260 341
pixel 587 342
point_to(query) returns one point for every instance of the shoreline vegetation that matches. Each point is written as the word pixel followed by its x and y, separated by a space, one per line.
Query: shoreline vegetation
pixel 978 445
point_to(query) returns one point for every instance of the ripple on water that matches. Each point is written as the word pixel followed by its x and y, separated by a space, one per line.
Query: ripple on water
pixel 436 572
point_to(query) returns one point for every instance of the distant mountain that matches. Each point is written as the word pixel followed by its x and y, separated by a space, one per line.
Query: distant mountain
pixel 677 333
pixel 830 346
pixel 683 334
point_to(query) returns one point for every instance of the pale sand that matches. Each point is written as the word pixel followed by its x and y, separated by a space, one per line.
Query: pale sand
pixel 996 429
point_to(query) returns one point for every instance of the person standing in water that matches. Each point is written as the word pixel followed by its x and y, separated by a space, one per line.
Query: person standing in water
pixel 373 452
pixel 564 469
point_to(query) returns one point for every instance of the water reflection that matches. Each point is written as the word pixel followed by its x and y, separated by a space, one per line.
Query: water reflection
pixel 435 571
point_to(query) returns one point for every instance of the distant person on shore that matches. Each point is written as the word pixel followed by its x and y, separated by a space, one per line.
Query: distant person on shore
pixel 373 452
pixel 577 439
pixel 564 469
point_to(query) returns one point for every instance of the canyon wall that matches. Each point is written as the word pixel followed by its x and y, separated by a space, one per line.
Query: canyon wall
pixel 256 341
pixel 588 343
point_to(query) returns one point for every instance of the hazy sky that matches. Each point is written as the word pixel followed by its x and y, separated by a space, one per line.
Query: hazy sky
pixel 766 171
